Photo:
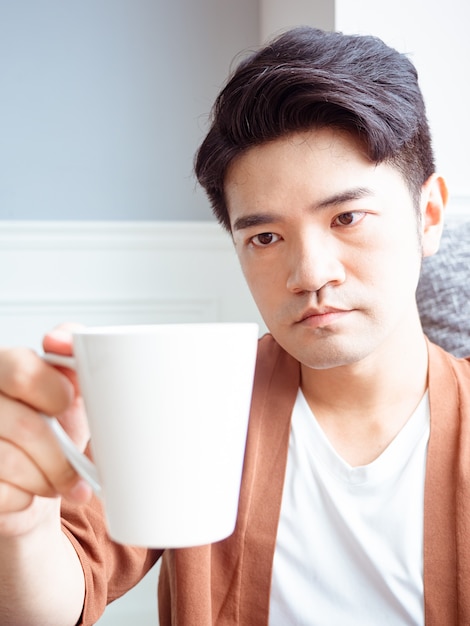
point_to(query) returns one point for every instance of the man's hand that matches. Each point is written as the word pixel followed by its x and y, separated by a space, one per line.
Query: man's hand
pixel 41 578
pixel 32 466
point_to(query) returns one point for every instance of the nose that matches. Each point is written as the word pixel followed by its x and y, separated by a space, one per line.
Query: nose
pixel 314 262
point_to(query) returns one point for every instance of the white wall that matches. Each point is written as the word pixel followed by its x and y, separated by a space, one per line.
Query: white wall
pixel 115 273
pixel 276 15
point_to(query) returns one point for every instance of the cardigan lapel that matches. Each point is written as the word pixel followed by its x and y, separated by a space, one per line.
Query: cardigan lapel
pixel 447 495
pixel 261 496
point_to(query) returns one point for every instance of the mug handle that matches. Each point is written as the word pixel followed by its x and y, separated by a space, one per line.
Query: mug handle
pixel 82 464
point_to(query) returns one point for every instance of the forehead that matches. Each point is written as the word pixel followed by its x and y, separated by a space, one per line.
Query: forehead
pixel 290 177
pixel 314 149
pixel 311 165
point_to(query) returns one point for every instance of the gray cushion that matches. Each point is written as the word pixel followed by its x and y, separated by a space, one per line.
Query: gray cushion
pixel 443 293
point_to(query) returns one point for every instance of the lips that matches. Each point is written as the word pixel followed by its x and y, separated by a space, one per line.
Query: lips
pixel 323 316
pixel 313 312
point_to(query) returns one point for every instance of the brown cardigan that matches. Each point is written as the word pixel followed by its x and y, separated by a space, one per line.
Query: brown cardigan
pixel 228 583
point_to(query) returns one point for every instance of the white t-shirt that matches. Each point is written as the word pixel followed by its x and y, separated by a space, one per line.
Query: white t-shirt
pixel 349 549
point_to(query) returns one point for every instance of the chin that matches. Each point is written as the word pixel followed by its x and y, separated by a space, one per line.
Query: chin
pixel 322 357
pixel 325 363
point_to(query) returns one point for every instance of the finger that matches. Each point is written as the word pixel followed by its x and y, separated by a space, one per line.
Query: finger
pixel 25 511
pixel 13 499
pixel 22 427
pixel 59 339
pixel 75 424
pixel 26 377
pixel 18 470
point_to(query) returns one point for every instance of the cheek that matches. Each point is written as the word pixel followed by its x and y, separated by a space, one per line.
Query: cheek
pixel 262 287
pixel 394 280
pixel 388 268
pixel 266 285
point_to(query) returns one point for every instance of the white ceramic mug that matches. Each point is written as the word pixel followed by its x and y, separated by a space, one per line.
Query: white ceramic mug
pixel 168 409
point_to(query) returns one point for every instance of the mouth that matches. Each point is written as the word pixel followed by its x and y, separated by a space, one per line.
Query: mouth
pixel 324 316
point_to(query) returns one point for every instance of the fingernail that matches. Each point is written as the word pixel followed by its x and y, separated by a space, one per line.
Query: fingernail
pixel 60 335
pixel 80 492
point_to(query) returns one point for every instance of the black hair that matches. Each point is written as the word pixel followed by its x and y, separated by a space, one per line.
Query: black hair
pixel 308 78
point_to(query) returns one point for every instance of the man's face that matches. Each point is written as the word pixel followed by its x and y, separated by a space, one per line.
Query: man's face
pixel 329 245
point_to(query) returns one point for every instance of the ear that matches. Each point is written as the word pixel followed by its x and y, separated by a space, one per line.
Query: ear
pixel 433 202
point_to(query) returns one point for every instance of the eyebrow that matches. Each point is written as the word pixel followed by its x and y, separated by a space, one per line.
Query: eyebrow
pixel 344 196
pixel 259 219
pixel 256 219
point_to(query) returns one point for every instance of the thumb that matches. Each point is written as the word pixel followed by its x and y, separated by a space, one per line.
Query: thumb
pixel 59 339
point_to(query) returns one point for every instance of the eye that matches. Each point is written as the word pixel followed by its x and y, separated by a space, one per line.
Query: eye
pixel 264 239
pixel 348 219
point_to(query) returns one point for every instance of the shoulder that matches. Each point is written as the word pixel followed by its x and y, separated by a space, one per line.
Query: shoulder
pixel 449 383
pixel 444 360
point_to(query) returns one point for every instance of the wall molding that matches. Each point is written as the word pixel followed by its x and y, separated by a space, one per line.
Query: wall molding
pixel 112 235
pixel 115 273
pixel 199 309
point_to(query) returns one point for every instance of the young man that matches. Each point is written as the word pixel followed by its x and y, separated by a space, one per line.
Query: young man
pixel 354 506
